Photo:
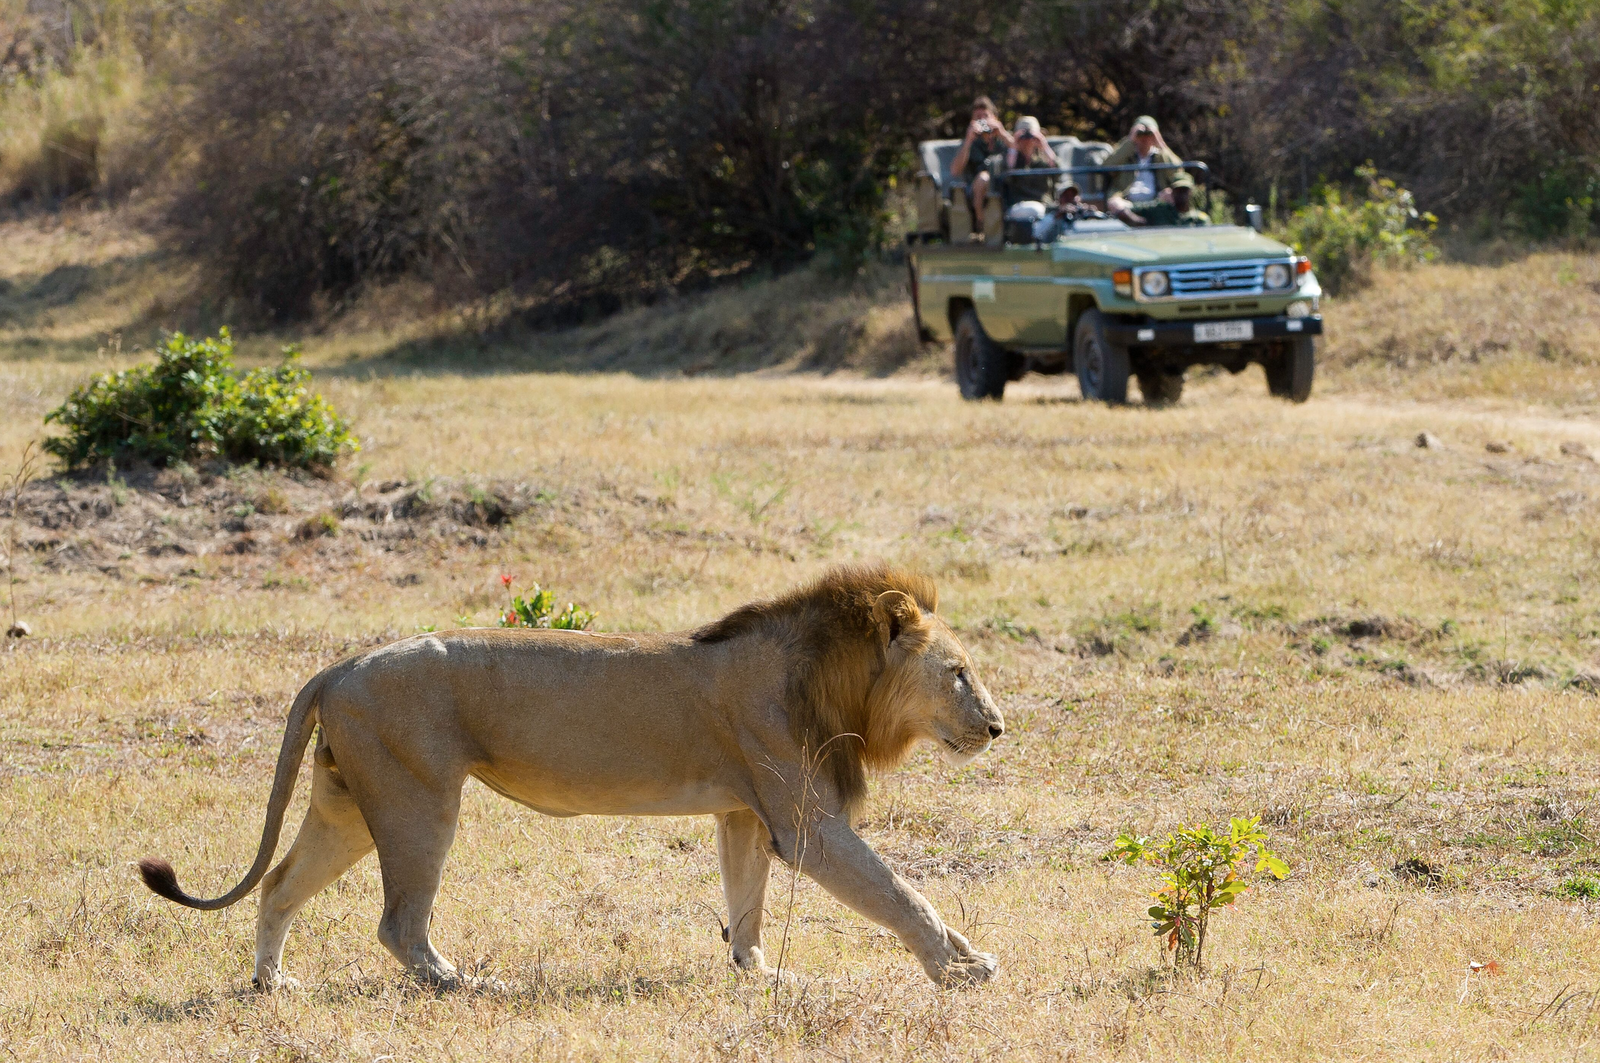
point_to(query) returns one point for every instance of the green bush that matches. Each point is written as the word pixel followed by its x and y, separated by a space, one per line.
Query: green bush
pixel 1345 238
pixel 1201 871
pixel 1561 201
pixel 190 404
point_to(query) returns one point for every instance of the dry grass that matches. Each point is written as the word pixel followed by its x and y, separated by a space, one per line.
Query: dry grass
pixel 1235 606
pixel 1523 329
pixel 75 132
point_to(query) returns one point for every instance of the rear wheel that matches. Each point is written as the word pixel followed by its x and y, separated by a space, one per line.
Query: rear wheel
pixel 1290 372
pixel 1161 389
pixel 981 365
pixel 1103 368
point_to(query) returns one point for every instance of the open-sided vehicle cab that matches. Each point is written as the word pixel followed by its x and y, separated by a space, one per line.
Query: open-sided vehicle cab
pixel 1101 298
pixel 944 209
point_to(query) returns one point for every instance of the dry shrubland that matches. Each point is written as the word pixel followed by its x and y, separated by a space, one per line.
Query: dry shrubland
pixel 590 156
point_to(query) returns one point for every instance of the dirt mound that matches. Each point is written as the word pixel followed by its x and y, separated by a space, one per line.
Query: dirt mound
pixel 159 521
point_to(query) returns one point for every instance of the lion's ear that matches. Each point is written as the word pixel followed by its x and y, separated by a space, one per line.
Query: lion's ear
pixel 895 611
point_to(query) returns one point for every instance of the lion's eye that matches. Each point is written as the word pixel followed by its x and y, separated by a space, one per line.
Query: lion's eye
pixel 961 675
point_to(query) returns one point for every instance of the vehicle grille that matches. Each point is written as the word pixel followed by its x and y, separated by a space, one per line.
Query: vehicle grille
pixel 1230 278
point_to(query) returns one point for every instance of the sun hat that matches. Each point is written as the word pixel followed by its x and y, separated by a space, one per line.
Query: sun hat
pixel 1030 125
pixel 1147 122
pixel 1181 179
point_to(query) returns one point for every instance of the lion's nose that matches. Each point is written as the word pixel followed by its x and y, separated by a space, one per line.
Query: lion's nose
pixel 996 730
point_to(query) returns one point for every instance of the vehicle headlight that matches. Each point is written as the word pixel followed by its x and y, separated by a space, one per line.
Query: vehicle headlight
pixel 1279 275
pixel 1154 284
pixel 1299 308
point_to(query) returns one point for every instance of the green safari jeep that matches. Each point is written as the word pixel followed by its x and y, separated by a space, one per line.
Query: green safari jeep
pixel 1098 297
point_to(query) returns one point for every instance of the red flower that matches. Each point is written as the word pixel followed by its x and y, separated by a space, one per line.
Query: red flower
pixel 505 581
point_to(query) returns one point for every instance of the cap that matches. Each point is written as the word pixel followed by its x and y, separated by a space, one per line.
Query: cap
pixel 1030 125
pixel 1181 179
pixel 1145 121
pixel 1066 183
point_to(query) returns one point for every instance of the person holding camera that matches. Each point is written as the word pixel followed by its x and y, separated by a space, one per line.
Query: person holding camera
pixel 982 151
pixel 1029 151
pixel 1070 207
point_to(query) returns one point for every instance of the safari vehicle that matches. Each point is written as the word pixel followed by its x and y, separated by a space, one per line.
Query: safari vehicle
pixel 1105 300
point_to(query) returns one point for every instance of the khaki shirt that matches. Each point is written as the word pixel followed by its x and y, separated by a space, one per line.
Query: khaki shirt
pixel 1126 154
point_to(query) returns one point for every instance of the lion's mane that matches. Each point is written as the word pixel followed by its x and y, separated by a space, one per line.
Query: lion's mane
pixel 834 643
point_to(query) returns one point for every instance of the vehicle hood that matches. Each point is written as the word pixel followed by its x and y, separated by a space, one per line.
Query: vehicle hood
pixel 1210 243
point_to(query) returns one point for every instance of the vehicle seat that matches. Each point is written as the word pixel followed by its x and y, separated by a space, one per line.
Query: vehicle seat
pixel 1085 154
pixel 934 184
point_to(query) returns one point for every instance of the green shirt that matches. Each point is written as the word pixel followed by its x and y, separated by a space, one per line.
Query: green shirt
pixel 1160 213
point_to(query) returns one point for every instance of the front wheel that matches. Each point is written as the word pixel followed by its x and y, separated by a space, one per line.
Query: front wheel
pixel 1289 373
pixel 981 366
pixel 1103 367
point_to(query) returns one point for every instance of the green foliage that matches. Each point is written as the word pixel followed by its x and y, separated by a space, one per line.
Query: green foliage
pixel 1201 871
pixel 1345 237
pixel 1579 888
pixel 1561 201
pixel 536 609
pixel 190 404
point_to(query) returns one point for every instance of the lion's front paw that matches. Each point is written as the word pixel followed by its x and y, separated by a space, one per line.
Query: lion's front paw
pixel 968 970
pixel 768 974
pixel 753 964
pixel 273 981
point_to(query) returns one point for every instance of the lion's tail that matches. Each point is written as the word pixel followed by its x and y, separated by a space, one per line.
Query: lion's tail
pixel 158 874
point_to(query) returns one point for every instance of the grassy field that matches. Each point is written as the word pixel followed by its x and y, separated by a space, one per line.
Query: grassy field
pixel 1236 606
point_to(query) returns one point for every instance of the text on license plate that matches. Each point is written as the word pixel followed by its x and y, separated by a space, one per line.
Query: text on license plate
pixel 1223 331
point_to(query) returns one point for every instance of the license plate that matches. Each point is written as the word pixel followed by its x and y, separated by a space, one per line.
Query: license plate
pixel 1223 331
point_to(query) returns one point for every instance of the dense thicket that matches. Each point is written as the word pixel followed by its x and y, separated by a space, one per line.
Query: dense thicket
pixel 597 151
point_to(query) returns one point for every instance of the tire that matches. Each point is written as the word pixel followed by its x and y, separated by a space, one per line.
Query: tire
pixel 1102 368
pixel 981 365
pixel 1290 373
pixel 1161 389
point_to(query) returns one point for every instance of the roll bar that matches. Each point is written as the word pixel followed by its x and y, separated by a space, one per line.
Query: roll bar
pixel 1204 170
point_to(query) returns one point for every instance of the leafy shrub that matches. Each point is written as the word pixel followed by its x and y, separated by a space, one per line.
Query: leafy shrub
pixel 1345 238
pixel 190 404
pixel 537 609
pixel 1201 871
pixel 1561 201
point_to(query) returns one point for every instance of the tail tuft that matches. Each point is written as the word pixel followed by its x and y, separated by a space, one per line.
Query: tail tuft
pixel 160 877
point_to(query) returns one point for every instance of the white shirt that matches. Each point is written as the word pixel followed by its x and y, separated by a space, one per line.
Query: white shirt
pixel 1143 189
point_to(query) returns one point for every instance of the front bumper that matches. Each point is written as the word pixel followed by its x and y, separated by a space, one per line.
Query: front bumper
pixel 1181 333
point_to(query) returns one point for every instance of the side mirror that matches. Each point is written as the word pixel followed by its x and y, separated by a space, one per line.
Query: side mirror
pixel 1256 217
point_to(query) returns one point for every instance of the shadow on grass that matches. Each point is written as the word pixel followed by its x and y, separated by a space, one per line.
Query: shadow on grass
pixel 538 986
pixel 29 305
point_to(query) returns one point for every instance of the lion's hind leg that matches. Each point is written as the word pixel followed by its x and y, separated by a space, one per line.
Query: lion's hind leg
pixel 741 850
pixel 332 838
pixel 413 822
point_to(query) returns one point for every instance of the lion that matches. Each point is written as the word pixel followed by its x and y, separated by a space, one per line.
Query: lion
pixel 768 719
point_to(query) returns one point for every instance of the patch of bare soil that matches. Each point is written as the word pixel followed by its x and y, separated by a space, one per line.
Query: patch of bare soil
pixel 158 522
